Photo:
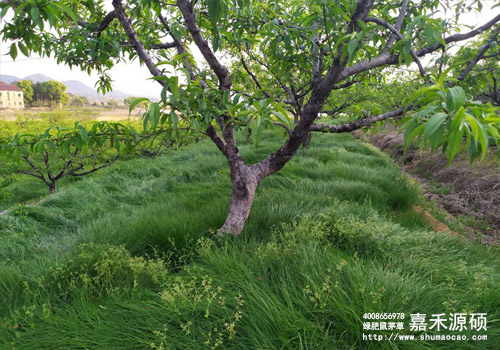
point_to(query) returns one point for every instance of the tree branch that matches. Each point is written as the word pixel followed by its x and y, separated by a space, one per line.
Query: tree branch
pixel 386 59
pixel 399 24
pixel 181 51
pixel 221 145
pixel 459 37
pixel 319 94
pixel 400 37
pixel 288 130
pixel 335 111
pixel 106 21
pixel 94 169
pixel 492 55
pixel 134 39
pixel 254 78
pixel 348 127
pixel 219 69
pixel 345 85
pixel 164 46
pixel 324 88
pixel 479 56
pixel 318 60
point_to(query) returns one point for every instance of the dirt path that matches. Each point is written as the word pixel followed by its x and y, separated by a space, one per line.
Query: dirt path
pixel 469 193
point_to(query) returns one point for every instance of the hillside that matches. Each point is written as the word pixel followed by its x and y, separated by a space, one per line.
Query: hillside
pixel 78 88
pixel 126 259
pixel 38 78
pixel 8 79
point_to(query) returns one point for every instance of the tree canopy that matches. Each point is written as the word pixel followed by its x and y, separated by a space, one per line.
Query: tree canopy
pixel 51 92
pixel 281 63
pixel 27 87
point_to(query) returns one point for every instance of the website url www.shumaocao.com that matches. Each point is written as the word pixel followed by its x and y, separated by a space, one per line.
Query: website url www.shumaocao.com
pixel 424 337
pixel 438 324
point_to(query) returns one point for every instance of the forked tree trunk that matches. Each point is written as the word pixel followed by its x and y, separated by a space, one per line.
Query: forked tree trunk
pixel 245 182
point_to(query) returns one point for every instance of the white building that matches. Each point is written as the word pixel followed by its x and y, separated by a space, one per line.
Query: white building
pixel 11 96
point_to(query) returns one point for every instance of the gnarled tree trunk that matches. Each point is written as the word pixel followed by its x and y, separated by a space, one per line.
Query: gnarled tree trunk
pixel 244 180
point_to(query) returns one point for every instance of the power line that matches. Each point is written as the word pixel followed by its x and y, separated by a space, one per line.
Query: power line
pixel 24 59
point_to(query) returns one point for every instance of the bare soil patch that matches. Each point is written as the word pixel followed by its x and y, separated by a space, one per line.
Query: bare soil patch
pixel 470 193
pixel 118 114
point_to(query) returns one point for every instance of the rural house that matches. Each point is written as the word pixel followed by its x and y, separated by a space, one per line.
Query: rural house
pixel 11 96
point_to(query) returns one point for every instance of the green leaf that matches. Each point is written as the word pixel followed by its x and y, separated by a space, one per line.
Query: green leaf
pixel 164 94
pixel 458 120
pixel 35 14
pixel 272 24
pixel 174 118
pixel 479 134
pixel 135 103
pixel 473 125
pixel 161 63
pixel 351 48
pixel 425 111
pixel 174 88
pixel 436 139
pixel 20 8
pixel 13 51
pixel 23 49
pixel 83 133
pixel 4 12
pixel 39 147
pixel 214 11
pixel 16 155
pixel 455 138
pixel 444 77
pixel 281 118
pixel 216 43
pixel 288 41
pixel 421 92
pixel 161 78
pixel 493 132
pixel 154 114
pixel 418 131
pixel 455 98
pixel 67 10
pixel 145 121
pixel 434 123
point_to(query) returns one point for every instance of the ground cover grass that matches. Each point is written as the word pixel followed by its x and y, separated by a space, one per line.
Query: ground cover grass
pixel 124 259
pixel 60 115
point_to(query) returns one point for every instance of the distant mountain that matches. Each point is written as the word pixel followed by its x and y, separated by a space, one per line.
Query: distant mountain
pixel 8 79
pixel 78 88
pixel 38 78
pixel 74 87
pixel 118 94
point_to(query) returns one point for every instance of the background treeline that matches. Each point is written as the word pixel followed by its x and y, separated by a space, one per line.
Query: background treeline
pixel 50 93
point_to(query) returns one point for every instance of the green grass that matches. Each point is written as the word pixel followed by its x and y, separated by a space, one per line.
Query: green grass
pixel 124 259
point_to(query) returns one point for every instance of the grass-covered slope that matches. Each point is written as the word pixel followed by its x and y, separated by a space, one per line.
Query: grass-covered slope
pixel 124 259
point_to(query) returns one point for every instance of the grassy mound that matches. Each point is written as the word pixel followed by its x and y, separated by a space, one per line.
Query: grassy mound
pixel 124 259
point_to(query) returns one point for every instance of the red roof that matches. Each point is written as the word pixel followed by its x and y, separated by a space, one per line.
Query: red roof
pixel 7 87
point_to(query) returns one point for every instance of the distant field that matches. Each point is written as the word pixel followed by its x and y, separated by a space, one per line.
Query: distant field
pixel 85 113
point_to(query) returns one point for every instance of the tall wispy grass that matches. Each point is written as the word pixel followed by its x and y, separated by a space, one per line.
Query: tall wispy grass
pixel 125 259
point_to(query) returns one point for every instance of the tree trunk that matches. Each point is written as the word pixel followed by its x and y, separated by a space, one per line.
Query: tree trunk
pixel 307 142
pixel 52 187
pixel 245 181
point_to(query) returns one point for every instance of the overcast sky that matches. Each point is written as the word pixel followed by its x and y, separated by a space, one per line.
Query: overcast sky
pixel 131 77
